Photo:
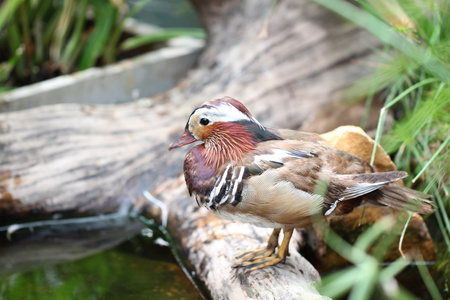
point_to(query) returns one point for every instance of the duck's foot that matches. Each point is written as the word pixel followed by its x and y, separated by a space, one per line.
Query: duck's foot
pixel 261 258
pixel 263 262
pixel 256 254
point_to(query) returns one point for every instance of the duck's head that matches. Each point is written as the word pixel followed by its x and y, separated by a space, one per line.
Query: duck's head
pixel 216 120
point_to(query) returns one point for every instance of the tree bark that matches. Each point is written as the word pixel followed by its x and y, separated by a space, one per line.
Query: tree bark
pixel 71 160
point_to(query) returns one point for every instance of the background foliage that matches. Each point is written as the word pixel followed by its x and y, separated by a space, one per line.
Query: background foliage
pixel 44 39
pixel 412 78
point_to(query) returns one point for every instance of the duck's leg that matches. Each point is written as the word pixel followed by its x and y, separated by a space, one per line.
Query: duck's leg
pixel 261 261
pixel 254 254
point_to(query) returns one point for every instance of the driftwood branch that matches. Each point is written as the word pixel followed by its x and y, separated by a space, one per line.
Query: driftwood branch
pixel 71 160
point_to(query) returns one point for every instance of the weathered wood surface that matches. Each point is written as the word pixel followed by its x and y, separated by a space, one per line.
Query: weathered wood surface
pixel 210 244
pixel 75 160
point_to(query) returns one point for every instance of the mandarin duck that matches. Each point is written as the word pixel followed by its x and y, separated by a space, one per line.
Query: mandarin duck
pixel 278 179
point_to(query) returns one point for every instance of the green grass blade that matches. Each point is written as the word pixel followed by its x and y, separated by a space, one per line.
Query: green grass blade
pixel 438 151
pixel 25 31
pixel 429 118
pixel 404 295
pixel 51 26
pixel 365 281
pixel 393 269
pixel 409 90
pixel 39 24
pixel 383 32
pixel 76 41
pixel 400 242
pixel 137 7
pixel 7 67
pixel 135 42
pixel 429 282
pixel 111 47
pixel 62 29
pixel 7 11
pixel 383 112
pixel 380 127
pixel 338 244
pixel 373 233
pixel 14 42
pixel 337 284
pixel 105 14
pixel 442 219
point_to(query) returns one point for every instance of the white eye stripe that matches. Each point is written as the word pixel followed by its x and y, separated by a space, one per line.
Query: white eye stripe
pixel 224 113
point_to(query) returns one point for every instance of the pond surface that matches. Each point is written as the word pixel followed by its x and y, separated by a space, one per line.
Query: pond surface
pixel 139 268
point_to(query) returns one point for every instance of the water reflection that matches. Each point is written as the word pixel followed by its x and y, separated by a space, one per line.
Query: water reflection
pixel 136 269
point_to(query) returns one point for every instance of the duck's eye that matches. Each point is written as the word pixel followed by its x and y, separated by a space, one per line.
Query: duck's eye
pixel 204 121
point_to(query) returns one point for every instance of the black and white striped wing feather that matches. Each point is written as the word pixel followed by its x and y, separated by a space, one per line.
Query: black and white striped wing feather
pixel 228 187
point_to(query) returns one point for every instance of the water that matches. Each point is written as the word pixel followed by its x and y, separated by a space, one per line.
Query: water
pixel 139 268
pixel 100 257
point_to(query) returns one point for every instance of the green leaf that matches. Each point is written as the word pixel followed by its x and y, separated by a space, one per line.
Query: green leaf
pixel 105 14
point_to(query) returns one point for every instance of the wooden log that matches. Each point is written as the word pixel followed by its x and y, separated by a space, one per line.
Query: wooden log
pixel 80 159
pixel 210 244
pixel 71 160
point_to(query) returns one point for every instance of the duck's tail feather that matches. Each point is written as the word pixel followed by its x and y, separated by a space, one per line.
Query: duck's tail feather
pixel 400 197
